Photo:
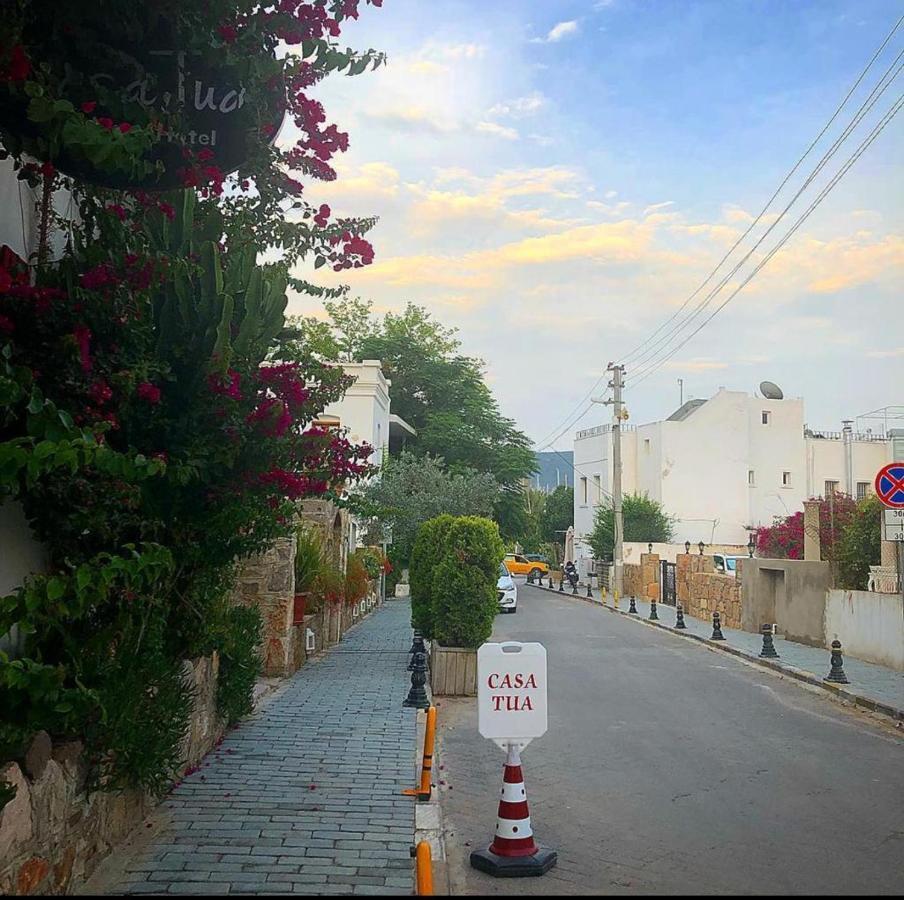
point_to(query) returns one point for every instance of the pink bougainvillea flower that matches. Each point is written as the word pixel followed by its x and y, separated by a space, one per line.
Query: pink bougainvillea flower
pixel 19 67
pixel 323 215
pixel 89 106
pixel 105 122
pixel 125 127
pixel 117 211
pixel 148 392
pixel 6 325
pixel 228 33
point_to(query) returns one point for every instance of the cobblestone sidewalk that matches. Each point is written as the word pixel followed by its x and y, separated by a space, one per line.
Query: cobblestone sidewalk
pixel 303 797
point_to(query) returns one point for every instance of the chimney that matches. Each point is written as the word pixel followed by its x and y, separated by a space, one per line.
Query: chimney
pixel 847 436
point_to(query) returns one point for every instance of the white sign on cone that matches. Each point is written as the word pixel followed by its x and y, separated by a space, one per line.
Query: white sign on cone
pixel 511 692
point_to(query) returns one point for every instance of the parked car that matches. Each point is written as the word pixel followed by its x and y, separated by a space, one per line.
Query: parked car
pixel 519 564
pixel 506 591
pixel 536 557
pixel 726 565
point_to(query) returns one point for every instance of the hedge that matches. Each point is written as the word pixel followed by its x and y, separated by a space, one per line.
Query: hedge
pixel 463 595
pixel 425 556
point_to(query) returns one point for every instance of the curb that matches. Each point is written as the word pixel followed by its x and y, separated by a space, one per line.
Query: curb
pixel 836 691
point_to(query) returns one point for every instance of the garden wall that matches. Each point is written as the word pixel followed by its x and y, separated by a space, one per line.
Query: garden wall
pixel 870 626
pixel 702 592
pixel 642 580
pixel 53 834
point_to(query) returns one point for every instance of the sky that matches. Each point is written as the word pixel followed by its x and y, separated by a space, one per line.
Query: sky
pixel 556 178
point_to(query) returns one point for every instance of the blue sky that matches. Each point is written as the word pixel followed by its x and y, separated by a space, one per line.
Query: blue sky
pixel 554 179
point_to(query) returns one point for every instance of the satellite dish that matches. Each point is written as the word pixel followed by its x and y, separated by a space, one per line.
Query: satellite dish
pixel 771 391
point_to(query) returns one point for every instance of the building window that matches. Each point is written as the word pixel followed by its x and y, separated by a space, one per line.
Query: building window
pixel 584 490
pixel 831 488
pixel 786 479
pixel 598 488
pixel 766 416
pixel 646 445
pixel 751 478
pixel 862 490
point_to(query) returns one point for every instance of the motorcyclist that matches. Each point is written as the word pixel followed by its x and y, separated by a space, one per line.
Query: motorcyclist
pixel 571 573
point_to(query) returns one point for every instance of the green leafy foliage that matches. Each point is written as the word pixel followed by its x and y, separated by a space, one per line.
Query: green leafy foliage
pixel 463 589
pixel 644 520
pixel 860 545
pixel 309 559
pixel 557 515
pixel 426 555
pixel 240 662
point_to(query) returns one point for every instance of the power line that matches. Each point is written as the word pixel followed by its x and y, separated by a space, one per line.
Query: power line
pixel 877 130
pixel 658 346
pixel 769 202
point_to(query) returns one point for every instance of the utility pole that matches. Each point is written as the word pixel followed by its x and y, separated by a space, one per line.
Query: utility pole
pixel 616 383
pixel 681 389
pixel 618 414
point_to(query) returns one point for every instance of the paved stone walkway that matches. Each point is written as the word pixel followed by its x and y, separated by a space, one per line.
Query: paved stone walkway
pixel 304 796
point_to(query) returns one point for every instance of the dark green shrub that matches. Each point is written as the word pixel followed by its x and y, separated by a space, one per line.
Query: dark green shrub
pixel 425 556
pixel 463 593
pixel 860 545
pixel 240 662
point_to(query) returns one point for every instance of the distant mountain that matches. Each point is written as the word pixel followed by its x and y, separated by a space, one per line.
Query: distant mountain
pixel 553 469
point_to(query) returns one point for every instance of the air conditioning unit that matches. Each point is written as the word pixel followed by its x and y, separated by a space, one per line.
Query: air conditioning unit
pixel 310 640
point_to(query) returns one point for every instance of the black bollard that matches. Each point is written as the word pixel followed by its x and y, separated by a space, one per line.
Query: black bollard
pixel 550 581
pixel 413 647
pixel 717 628
pixel 418 648
pixel 768 651
pixel 562 585
pixel 679 617
pixel 589 589
pixel 632 606
pixel 574 587
pixel 653 614
pixel 837 672
pixel 530 577
pixel 417 696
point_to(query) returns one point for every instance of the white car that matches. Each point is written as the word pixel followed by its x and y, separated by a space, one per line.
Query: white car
pixel 506 591
pixel 726 565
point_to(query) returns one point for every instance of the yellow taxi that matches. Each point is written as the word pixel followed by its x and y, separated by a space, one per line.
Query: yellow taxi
pixel 521 565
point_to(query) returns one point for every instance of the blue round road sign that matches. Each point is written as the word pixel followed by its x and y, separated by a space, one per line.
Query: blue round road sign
pixel 890 485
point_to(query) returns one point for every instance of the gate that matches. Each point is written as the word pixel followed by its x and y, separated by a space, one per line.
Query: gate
pixel 667 583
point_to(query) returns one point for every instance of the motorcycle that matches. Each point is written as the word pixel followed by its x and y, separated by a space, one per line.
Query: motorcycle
pixel 571 573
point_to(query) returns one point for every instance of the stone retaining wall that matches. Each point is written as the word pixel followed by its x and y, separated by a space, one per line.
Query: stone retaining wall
pixel 53 834
pixel 702 592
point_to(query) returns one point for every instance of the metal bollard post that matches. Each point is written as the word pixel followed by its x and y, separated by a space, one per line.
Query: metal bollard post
pixel 417 696
pixel 530 577
pixel 589 589
pixel 418 648
pixel 632 607
pixel 550 581
pixel 717 628
pixel 768 651
pixel 562 584
pixel 653 614
pixel 679 617
pixel 836 673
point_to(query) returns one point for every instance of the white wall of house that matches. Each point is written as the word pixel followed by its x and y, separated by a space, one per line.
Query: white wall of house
pixel 733 463
pixel 869 626
pixel 364 409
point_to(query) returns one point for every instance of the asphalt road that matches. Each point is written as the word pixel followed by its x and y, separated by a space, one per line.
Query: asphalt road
pixel 671 768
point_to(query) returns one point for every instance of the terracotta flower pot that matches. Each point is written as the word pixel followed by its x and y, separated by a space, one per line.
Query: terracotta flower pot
pixel 298 608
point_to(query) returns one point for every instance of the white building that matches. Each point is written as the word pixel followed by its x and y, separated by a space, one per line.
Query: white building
pixel 725 465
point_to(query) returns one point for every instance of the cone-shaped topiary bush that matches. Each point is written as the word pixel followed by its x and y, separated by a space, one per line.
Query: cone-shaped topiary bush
pixel 425 556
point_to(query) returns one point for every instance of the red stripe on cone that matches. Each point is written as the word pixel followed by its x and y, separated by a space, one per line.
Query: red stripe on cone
pixel 514 811
pixel 512 774
pixel 514 846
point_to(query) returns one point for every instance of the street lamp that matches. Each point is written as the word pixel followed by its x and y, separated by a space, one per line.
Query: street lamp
pixel 701 545
pixel 751 545
pixel 687 547
pixel 650 548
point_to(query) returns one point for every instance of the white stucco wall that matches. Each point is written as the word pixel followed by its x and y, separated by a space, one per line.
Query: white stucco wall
pixel 364 409
pixel 825 462
pixel 869 625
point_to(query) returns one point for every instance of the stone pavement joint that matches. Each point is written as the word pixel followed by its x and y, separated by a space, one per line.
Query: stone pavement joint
pixel 873 687
pixel 305 795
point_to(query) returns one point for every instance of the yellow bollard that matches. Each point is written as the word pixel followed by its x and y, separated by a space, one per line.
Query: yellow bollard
pixel 425 789
pixel 424 870
pixel 615 598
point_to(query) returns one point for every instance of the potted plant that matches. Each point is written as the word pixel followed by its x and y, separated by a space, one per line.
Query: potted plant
pixel 357 581
pixel 309 563
pixel 462 602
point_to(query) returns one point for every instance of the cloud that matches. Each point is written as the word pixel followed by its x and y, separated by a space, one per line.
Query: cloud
pixel 520 107
pixel 697 364
pixel 655 206
pixel 558 32
pixel 510 134
pixel 886 354
pixel 412 119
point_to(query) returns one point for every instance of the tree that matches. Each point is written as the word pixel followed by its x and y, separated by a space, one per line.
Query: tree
pixel 644 520
pixel 784 539
pixel 558 514
pixel 860 545
pixel 413 489
pixel 441 394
